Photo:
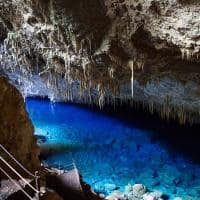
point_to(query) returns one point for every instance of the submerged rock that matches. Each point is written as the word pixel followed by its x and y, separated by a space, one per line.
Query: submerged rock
pixel 178 198
pixel 149 197
pixel 41 139
pixel 140 192
pixel 116 196
pixel 136 191
pixel 110 187
pixel 156 195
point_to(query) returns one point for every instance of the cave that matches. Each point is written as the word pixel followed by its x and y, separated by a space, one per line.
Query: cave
pixel 99 99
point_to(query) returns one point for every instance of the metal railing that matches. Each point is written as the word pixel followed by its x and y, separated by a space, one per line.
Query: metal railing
pixel 16 161
pixel 72 166
pixel 34 176
pixel 16 183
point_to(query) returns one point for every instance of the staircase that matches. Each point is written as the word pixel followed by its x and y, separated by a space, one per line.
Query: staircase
pixel 29 187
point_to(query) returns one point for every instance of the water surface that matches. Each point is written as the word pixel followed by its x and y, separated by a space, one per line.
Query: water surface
pixel 110 153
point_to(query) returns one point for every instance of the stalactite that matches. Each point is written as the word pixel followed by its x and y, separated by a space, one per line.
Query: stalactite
pixel 111 72
pixel 85 62
pixel 74 51
pixel 90 43
pixel 59 38
pixel 52 12
pixel 189 54
pixel 115 59
pixel 101 92
pixel 131 67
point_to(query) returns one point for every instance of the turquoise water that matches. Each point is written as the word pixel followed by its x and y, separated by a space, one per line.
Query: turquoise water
pixel 110 153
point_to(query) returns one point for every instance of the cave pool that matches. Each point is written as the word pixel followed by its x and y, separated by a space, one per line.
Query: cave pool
pixel 110 153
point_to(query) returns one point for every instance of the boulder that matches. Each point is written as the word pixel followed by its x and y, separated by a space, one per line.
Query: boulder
pixel 138 190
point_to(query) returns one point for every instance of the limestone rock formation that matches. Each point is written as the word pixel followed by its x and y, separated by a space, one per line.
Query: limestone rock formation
pixel 16 130
pixel 94 51
pixel 135 192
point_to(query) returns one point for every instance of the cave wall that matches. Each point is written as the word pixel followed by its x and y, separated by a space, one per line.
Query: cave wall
pixel 16 130
pixel 95 52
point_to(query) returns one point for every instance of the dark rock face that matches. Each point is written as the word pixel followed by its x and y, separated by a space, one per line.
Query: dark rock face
pixel 95 51
pixel 16 130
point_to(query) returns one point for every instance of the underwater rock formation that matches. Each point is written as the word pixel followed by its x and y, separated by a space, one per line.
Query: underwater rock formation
pixel 138 192
pixel 16 130
pixel 97 52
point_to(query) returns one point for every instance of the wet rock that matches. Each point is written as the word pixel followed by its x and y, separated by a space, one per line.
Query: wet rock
pixel 102 196
pixel 149 197
pixel 139 189
pixel 128 188
pixel 116 196
pixel 135 191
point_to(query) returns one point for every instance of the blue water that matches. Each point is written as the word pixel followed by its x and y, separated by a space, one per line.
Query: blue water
pixel 109 151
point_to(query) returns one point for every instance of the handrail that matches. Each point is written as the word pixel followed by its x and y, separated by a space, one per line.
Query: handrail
pixel 19 164
pixel 70 166
pixel 18 185
pixel 78 175
pixel 19 175
pixel 74 164
pixel 37 185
